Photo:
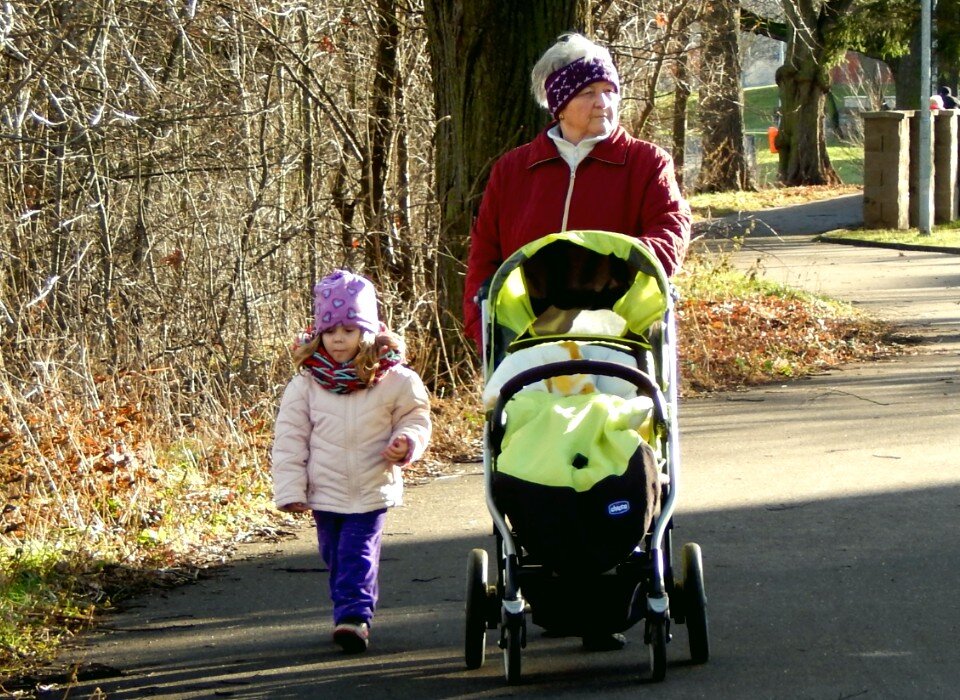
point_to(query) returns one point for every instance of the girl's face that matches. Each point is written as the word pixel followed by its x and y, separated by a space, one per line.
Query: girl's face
pixel 592 112
pixel 342 342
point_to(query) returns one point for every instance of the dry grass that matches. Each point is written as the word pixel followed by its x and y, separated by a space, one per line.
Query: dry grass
pixel 765 336
pixel 946 237
pixel 706 206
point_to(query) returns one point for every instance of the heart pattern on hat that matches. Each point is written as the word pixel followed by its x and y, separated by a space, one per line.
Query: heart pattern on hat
pixel 344 297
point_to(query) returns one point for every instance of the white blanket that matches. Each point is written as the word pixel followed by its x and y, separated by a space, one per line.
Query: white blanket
pixel 568 385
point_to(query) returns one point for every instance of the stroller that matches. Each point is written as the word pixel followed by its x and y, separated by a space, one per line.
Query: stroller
pixel 581 453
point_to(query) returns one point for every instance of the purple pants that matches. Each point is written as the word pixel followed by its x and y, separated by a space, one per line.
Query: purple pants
pixel 350 547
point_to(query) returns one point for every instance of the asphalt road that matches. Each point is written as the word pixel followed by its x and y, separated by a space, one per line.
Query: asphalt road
pixel 826 510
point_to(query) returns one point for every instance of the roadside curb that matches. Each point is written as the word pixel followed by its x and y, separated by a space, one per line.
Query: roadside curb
pixel 824 238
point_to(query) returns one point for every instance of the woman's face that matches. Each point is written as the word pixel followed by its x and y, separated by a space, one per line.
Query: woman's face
pixel 342 343
pixel 591 112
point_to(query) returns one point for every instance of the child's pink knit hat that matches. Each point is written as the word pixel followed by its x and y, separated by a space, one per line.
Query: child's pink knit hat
pixel 343 297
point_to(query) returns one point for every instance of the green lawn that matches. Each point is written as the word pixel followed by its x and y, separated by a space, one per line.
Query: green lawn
pixel 760 109
pixel 847 160
pixel 945 236
pixel 759 114
pixel 760 106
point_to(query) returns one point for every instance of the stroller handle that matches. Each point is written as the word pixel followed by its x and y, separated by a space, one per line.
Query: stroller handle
pixel 640 379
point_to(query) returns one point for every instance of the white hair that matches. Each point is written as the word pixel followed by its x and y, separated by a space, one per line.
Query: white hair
pixel 570 47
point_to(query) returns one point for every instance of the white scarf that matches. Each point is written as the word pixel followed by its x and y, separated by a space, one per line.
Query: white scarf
pixel 574 153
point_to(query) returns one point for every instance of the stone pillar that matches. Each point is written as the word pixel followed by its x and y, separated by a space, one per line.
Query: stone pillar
pixel 886 163
pixel 915 169
pixel 945 194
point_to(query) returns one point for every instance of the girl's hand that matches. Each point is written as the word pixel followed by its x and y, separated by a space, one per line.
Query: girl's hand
pixel 388 340
pixel 297 507
pixel 397 450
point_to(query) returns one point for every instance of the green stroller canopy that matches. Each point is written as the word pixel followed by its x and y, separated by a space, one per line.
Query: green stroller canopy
pixel 540 289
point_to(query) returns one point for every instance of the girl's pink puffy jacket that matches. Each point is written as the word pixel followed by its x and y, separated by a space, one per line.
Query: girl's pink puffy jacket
pixel 326 450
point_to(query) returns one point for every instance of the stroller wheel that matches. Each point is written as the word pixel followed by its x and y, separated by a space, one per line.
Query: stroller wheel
pixel 695 603
pixel 656 636
pixel 475 634
pixel 512 641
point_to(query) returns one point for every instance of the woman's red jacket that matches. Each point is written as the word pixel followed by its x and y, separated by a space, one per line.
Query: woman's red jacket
pixel 624 185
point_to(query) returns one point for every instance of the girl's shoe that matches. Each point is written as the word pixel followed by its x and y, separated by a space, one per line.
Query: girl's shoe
pixel 353 637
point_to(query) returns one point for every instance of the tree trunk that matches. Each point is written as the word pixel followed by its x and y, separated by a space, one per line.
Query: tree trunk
pixel 679 48
pixel 481 82
pixel 724 164
pixel 379 253
pixel 681 97
pixel 804 81
pixel 399 223
pixel 906 74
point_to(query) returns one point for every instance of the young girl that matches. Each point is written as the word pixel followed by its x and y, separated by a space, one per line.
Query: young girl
pixel 349 419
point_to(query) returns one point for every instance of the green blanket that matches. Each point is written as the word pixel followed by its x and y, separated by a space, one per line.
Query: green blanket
pixel 572 441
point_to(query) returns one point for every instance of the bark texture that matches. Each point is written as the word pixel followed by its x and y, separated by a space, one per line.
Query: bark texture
pixel 481 54
pixel 724 164
pixel 804 81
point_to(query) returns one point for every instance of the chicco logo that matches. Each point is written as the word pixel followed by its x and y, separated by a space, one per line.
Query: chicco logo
pixel 618 508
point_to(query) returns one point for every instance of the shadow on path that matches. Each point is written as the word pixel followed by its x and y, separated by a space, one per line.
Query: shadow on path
pixel 807 219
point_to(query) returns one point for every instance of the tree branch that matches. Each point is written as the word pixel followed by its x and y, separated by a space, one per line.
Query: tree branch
pixel 762 26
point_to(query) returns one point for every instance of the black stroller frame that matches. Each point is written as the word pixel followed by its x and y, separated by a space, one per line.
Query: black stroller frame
pixel 644 585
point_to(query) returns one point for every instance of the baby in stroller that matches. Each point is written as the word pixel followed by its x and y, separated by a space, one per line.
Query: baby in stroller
pixel 581 450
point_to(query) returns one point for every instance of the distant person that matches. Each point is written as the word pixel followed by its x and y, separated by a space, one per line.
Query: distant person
pixel 949 101
pixel 936 103
pixel 350 418
pixel 582 172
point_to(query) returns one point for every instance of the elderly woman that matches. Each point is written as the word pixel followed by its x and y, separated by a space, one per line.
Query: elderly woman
pixel 583 172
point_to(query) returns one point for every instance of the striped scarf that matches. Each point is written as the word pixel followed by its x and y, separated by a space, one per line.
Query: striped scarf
pixel 342 378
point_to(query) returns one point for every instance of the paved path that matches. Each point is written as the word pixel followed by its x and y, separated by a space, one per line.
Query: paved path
pixel 826 510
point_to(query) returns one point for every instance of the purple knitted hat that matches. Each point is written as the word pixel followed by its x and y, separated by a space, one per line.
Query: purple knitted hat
pixel 564 83
pixel 345 298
